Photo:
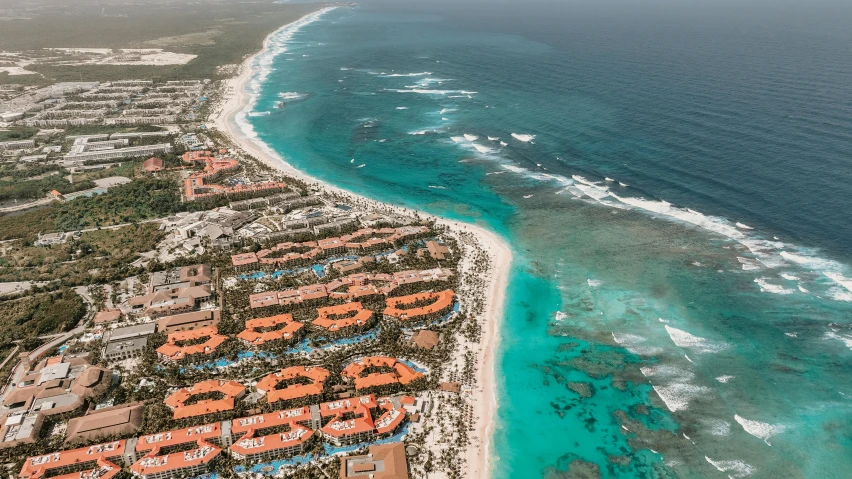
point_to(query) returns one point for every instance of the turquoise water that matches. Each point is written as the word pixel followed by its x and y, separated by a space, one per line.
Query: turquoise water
pixel 675 194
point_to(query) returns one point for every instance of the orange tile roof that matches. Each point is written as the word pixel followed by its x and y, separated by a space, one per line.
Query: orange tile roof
pixel 390 419
pixel 231 390
pixel 315 374
pixel 400 373
pixel 244 425
pixel 443 300
pixel 341 406
pixel 176 461
pixel 104 470
pixel 178 437
pixel 287 328
pixel 255 445
pixel 334 318
pixel 362 422
pixel 38 466
pixel 243 259
pixel 173 352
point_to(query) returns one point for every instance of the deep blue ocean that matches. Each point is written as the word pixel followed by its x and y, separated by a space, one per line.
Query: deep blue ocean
pixel 674 181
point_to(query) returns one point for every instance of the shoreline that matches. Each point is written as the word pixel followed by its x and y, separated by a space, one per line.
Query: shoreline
pixel 237 102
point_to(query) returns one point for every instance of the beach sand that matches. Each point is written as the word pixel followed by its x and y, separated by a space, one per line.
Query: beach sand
pixel 236 101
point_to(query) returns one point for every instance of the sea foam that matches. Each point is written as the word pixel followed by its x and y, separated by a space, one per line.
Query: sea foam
pixel 759 429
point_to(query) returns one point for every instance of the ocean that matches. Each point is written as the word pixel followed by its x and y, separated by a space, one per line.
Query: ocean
pixel 674 183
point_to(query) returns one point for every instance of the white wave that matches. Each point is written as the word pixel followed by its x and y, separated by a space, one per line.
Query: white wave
pixel 724 379
pixel 402 108
pixel 437 187
pixel 594 283
pixel 607 178
pixel 734 468
pixel 423 132
pixel 528 196
pixel 789 277
pixel 292 95
pixel 839 294
pixel 748 263
pixel 261 67
pixel 444 111
pixel 394 75
pixel 792 335
pixel 811 262
pixel 846 339
pixel 361 165
pixel 445 119
pixel 759 429
pixel 427 91
pixel 503 143
pixel 523 137
pixel 676 396
pixel 482 149
pixel 802 289
pixel 259 113
pixel 344 69
pixel 839 279
pixel 743 226
pixel 683 339
pixel 560 316
pixel 768 287
pixel 469 137
pixel 493 138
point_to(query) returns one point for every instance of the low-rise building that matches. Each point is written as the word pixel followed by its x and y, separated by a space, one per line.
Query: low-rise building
pixel 281 327
pixel 183 344
pixel 296 383
pixel 127 342
pixel 196 401
pixel 380 372
pixel 113 421
pixel 385 461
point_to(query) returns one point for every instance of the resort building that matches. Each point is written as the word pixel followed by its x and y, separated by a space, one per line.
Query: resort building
pixel 168 301
pixel 385 461
pixel 343 318
pixel 197 186
pixel 177 464
pixel 207 397
pixel 299 254
pixel 182 344
pixel 188 321
pixel 351 421
pixel 380 372
pixel 273 328
pixel 57 385
pixel 167 441
pixel 302 384
pixel 100 461
pixel 127 342
pixel 152 165
pixel 420 306
pixel 113 421
pixel 357 285
pixel 107 316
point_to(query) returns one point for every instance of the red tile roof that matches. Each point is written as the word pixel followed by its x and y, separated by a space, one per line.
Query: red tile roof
pixel 398 372
pixel 286 329
pixel 334 318
pixel 230 390
pixel 173 352
pixel 315 374
pixel 442 300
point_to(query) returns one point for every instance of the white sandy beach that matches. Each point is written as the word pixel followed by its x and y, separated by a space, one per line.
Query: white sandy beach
pixel 236 100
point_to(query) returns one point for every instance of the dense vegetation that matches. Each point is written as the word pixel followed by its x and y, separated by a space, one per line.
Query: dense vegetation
pixel 27 318
pixel 97 256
